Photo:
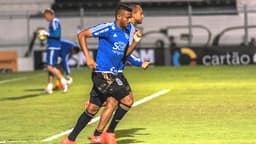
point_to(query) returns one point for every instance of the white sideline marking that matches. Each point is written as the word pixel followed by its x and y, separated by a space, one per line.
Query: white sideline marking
pixel 68 131
pixel 18 79
pixel 17 141
pixel 141 101
pixel 11 80
pixel 148 98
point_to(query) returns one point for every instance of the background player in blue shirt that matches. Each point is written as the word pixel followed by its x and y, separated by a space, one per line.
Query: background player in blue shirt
pixel 53 49
pixel 113 43
pixel 133 60
pixel 67 49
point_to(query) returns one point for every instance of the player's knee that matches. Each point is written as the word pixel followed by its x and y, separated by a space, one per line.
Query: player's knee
pixel 128 100
pixel 49 68
pixel 124 106
pixel 92 108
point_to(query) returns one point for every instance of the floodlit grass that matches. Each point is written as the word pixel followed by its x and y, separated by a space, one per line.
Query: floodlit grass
pixel 206 105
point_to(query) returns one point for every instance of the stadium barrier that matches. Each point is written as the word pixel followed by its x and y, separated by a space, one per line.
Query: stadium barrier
pixel 25 64
pixel 210 56
pixel 8 60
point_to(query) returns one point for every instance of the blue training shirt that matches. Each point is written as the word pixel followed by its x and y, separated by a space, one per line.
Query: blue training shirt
pixel 131 59
pixel 54 36
pixel 134 61
pixel 66 46
pixel 113 42
pixel 132 31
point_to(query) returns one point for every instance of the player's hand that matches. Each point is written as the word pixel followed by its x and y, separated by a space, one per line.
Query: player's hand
pixel 137 36
pixel 145 65
pixel 91 63
pixel 43 33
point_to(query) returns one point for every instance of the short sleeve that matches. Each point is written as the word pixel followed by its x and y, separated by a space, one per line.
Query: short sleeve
pixel 101 30
pixel 55 31
pixel 56 24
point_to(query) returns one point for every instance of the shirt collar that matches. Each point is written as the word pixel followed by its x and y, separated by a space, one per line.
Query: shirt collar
pixel 126 29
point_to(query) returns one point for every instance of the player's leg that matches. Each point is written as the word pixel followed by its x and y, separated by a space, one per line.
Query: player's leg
pixel 57 73
pixel 52 57
pixel 103 83
pixel 91 110
pixel 125 103
pixel 58 84
pixel 106 115
pixel 123 107
pixel 82 121
pixel 66 67
pixel 49 88
pixel 111 105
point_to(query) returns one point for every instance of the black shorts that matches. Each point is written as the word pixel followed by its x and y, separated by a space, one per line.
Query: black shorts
pixel 125 81
pixel 105 85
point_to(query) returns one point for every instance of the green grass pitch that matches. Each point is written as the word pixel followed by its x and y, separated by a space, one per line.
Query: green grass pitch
pixel 205 105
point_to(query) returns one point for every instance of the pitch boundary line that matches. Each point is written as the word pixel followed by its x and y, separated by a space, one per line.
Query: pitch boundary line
pixel 17 79
pixel 139 102
pixel 11 80
pixel 18 141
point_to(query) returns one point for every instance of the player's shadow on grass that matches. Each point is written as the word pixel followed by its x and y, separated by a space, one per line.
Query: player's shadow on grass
pixel 34 90
pixel 22 97
pixel 128 136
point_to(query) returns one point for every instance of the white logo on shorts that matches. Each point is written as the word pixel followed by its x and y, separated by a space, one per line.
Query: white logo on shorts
pixel 119 82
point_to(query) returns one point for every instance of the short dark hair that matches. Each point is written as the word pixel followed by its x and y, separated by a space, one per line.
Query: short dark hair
pixel 48 10
pixel 76 49
pixel 134 6
pixel 121 7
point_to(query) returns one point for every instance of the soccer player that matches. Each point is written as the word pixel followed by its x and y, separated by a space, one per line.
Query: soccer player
pixel 67 48
pixel 133 61
pixel 53 49
pixel 124 104
pixel 113 42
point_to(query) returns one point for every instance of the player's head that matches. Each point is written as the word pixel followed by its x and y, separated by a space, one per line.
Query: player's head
pixel 123 15
pixel 75 50
pixel 48 14
pixel 137 14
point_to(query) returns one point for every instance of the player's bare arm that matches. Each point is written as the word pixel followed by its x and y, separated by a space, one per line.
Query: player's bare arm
pixel 82 36
pixel 136 39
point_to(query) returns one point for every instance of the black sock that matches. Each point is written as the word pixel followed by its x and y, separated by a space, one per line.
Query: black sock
pixel 119 114
pixel 81 123
pixel 97 132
